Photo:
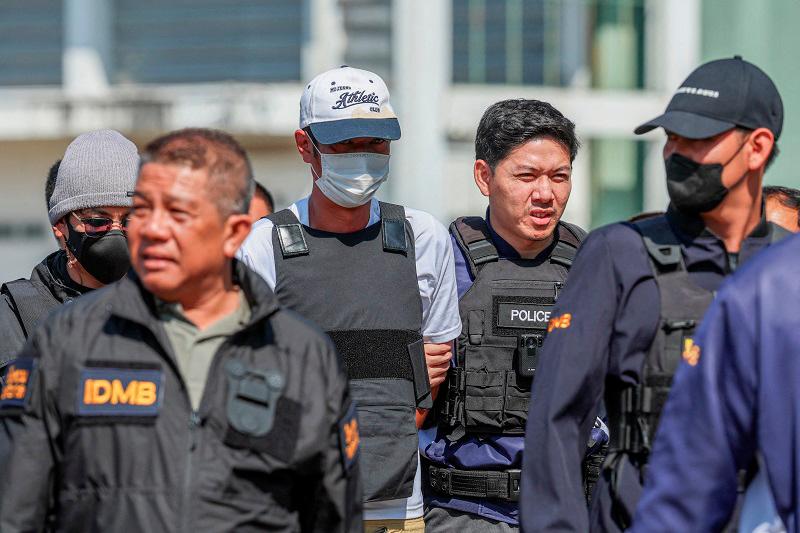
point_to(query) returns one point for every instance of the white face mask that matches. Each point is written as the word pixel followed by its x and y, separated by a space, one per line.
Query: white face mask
pixel 351 180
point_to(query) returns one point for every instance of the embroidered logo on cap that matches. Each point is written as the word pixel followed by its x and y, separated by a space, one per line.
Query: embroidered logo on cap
pixel 119 392
pixel 16 379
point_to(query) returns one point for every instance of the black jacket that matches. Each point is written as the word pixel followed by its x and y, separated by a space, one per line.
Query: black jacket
pixel 51 278
pixel 52 287
pixel 109 436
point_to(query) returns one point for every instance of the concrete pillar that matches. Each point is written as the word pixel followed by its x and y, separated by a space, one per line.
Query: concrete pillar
pixel 421 74
pixel 323 39
pixel 579 207
pixel 88 46
pixel 673 51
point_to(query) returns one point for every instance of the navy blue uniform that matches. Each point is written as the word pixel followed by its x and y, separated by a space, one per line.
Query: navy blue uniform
pixel 475 453
pixel 740 397
pixel 487 452
pixel 602 327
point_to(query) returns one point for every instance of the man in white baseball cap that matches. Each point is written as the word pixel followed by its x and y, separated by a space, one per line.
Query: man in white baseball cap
pixel 378 277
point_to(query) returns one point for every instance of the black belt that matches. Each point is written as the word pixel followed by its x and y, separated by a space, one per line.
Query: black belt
pixel 475 483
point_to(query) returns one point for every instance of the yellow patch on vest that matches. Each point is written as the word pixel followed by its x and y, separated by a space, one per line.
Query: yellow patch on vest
pixel 691 351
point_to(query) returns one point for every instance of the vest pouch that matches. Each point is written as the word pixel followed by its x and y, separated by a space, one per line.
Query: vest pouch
pixel 387 427
pixel 678 340
pixel 252 398
pixel 517 400
pixel 259 417
pixel 422 384
pixel 485 395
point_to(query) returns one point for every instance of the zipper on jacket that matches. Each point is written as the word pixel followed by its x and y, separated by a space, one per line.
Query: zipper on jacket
pixel 194 426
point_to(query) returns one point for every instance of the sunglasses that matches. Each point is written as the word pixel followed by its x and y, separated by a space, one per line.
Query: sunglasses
pixel 95 226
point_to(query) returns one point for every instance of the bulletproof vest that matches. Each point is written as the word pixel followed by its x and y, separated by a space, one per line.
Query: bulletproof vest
pixel 634 411
pixel 504 317
pixel 32 302
pixel 361 288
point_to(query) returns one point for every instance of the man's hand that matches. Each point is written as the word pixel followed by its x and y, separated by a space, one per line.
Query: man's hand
pixel 437 358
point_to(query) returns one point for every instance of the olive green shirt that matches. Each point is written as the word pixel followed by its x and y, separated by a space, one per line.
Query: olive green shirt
pixel 195 348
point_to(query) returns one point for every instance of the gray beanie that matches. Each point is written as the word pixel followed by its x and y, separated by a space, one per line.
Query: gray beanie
pixel 99 169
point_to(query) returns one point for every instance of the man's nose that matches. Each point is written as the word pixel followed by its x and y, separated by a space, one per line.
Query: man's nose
pixel 155 227
pixel 542 190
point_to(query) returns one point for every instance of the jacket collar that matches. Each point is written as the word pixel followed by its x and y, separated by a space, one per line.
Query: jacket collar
pixel 505 250
pixel 689 227
pixel 134 302
pixel 48 272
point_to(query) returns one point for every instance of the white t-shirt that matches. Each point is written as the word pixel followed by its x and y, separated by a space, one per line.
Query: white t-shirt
pixel 437 289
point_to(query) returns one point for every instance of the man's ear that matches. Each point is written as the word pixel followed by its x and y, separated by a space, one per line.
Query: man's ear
pixel 304 146
pixel 60 232
pixel 761 142
pixel 237 228
pixel 483 175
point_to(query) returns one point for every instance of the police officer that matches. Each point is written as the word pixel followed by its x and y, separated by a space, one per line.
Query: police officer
pixel 510 267
pixel 734 400
pixel 184 397
pixel 377 277
pixel 637 291
pixel 88 202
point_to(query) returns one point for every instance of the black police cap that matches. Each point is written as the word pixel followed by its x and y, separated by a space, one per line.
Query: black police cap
pixel 718 96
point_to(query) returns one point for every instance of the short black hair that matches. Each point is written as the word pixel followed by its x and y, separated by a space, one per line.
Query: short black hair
pixel 511 123
pixel 230 174
pixel 260 189
pixel 50 184
pixel 785 195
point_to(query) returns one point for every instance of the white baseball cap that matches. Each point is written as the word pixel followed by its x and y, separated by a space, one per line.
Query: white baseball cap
pixel 345 103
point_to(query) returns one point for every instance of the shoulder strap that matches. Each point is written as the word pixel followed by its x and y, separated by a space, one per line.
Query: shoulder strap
pixel 31 302
pixel 661 243
pixel 777 233
pixel 290 233
pixel 393 227
pixel 473 238
pixel 570 238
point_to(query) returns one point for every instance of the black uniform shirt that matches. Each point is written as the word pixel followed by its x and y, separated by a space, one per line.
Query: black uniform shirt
pixel 602 327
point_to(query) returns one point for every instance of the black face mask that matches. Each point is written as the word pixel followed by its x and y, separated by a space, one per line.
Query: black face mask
pixel 106 257
pixel 694 187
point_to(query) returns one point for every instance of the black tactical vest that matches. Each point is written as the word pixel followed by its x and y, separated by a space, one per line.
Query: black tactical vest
pixel 634 410
pixel 504 317
pixel 361 288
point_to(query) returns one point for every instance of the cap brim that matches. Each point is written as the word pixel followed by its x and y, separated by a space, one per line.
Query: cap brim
pixel 336 131
pixel 686 125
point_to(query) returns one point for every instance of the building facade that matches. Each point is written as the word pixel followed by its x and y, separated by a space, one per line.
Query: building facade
pixel 148 66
